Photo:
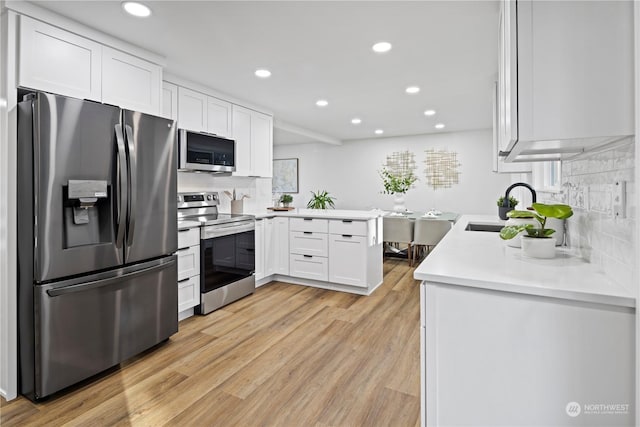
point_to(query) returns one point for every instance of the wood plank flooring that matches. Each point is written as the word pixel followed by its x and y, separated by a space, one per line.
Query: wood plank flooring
pixel 286 356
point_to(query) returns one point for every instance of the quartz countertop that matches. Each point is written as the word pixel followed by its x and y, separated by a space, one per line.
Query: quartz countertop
pixel 354 215
pixel 482 260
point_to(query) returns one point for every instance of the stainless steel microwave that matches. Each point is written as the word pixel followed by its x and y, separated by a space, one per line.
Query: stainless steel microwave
pixel 199 151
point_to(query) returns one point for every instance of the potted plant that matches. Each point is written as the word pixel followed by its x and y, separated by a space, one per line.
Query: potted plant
pixel 537 242
pixel 285 199
pixel 502 210
pixel 398 185
pixel 320 200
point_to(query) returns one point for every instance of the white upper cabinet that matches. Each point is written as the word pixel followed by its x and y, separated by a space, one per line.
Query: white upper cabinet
pixel 130 82
pixel 192 110
pixel 565 77
pixel 218 117
pixel 54 60
pixel 169 101
pixel 253 133
pixel 242 136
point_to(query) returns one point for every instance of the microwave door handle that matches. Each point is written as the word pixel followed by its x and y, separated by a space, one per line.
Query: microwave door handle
pixel 121 185
pixel 133 181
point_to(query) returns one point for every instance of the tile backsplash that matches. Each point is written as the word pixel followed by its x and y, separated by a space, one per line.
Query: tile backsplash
pixel 594 232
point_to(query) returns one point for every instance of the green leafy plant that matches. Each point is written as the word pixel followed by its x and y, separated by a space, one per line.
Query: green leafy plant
pixel 286 198
pixel 320 200
pixel 513 202
pixel 542 212
pixel 394 183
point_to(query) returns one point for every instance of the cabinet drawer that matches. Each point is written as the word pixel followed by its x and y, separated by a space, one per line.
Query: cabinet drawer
pixel 309 267
pixel 188 237
pixel 347 226
pixel 308 243
pixel 188 293
pixel 348 260
pixel 309 224
pixel 188 262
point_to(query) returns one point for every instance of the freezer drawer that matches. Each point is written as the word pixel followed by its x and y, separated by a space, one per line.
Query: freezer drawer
pixel 84 326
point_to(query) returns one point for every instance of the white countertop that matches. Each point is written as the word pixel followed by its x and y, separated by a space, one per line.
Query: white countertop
pixel 482 260
pixel 354 215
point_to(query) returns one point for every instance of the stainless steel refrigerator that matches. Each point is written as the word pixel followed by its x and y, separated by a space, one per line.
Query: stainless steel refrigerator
pixel 97 229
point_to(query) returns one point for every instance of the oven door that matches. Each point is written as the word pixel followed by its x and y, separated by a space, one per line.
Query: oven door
pixel 227 256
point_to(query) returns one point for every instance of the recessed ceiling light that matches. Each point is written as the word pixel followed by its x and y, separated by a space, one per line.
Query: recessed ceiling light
pixel 429 112
pixel 322 102
pixel 263 73
pixel 356 121
pixel 136 9
pixel 412 89
pixel 379 132
pixel 439 126
pixel 381 47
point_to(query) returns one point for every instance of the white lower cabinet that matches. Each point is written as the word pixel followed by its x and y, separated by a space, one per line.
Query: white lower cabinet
pixel 308 243
pixel 348 259
pixel 272 247
pixel 309 267
pixel 188 271
pixel 260 251
pixel 280 245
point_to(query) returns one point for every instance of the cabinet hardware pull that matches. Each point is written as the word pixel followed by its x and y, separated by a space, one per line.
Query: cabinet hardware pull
pixel 347 235
pixel 347 220
pixel 308 256
pixel 307 232
pixel 184 280
pixel 308 219
pixel 184 231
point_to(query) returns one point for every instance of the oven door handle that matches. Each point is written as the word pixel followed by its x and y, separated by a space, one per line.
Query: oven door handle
pixel 213 232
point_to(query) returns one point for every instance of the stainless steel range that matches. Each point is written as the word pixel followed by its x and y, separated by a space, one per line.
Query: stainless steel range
pixel 227 250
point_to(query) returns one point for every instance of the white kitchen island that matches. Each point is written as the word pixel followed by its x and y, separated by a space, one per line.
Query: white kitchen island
pixel 331 249
pixel 509 340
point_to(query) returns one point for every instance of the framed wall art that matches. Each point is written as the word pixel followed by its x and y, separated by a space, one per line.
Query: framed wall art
pixel 285 176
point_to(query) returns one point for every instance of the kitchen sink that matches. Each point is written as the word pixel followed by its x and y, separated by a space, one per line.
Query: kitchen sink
pixel 494 228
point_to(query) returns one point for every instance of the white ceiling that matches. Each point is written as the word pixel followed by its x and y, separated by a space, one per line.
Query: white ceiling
pixel 322 49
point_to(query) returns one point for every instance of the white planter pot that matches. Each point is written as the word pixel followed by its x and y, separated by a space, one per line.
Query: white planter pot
pixel 558 225
pixel 398 203
pixel 515 242
pixel 534 247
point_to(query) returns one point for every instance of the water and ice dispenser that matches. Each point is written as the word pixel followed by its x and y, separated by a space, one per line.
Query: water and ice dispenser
pixel 87 212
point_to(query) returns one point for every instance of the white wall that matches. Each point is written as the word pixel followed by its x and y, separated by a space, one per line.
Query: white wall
pixel 258 189
pixel 350 172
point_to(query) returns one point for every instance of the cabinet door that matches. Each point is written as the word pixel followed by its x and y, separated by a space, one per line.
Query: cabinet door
pixel 348 259
pixel 192 110
pixel 188 293
pixel 218 117
pixel 269 245
pixel 260 249
pixel 242 135
pixel 53 60
pixel 281 245
pixel 130 82
pixel 169 101
pixel 261 144
pixel 508 76
pixel 188 262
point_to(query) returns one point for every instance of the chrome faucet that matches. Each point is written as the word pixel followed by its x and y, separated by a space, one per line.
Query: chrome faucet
pixel 505 202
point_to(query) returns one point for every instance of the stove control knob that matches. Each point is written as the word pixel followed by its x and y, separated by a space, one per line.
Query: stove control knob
pixel 209 197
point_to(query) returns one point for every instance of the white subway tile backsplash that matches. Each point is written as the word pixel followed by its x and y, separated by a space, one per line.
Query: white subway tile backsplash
pixel 593 232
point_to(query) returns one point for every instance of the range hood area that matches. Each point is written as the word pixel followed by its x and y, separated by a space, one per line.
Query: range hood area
pixel 578 94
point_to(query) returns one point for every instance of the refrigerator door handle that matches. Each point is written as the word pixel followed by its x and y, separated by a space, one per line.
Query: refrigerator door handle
pixel 121 186
pixel 133 171
pixel 116 280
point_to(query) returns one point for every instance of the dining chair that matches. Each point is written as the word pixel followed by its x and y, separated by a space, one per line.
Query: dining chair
pixel 398 230
pixel 428 232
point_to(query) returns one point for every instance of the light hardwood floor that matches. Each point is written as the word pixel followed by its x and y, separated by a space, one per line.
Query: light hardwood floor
pixel 286 356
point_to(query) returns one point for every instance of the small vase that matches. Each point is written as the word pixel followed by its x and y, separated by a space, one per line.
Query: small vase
pixel 502 211
pixel 236 206
pixel 539 247
pixel 398 203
